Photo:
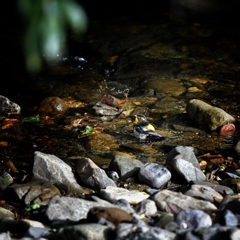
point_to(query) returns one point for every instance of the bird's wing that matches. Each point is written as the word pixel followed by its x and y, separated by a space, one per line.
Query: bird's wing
pixel 153 133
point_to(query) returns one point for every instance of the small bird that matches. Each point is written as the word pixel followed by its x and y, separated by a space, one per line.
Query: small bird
pixel 144 131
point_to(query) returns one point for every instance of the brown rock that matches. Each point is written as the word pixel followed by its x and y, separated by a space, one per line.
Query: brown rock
pixel 170 87
pixel 102 142
pixel 113 215
pixel 52 106
pixel 207 116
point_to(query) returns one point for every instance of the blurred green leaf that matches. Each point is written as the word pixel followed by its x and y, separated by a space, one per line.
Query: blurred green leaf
pixel 32 207
pixel 47 23
pixel 87 130
pixel 32 119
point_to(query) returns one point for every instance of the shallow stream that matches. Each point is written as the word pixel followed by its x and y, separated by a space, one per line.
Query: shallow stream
pixel 151 58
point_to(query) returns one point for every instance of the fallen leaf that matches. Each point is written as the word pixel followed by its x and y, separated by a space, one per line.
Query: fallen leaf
pixel 9 122
pixel 87 130
pixel 32 119
pixel 3 143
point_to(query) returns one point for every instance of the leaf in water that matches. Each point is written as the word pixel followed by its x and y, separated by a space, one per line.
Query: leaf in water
pixel 9 122
pixel 3 143
pixel 87 130
pixel 32 119
pixel 32 207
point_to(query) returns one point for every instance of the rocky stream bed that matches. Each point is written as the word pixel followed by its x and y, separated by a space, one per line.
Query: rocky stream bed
pixel 71 167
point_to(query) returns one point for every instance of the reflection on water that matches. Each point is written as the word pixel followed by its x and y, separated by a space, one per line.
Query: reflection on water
pixel 122 57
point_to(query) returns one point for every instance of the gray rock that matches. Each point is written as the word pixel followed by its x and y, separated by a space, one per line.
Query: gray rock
pixel 106 110
pixel 134 231
pixel 6 213
pixel 229 218
pixel 91 231
pixel 183 160
pixel 207 116
pixel 153 174
pixel 37 232
pixel 193 218
pixel 71 208
pixel 183 152
pixel 7 106
pixel 49 168
pixel 221 232
pixel 219 188
pixel 146 207
pixel 204 192
pixel 93 176
pixel 187 170
pixel 125 166
pixel 5 236
pixel 113 194
pixel 75 209
pixel 35 192
pixel 5 180
pixel 174 202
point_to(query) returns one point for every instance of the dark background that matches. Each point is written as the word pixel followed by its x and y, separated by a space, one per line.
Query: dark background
pixel 218 12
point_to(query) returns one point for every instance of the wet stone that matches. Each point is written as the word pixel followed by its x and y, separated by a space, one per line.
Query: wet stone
pixel 173 202
pixel 183 160
pixel 169 105
pixel 219 188
pixel 170 87
pixel 7 106
pixel 207 116
pixel 85 231
pixel 35 192
pixel 114 193
pixel 141 231
pixel 153 174
pixel 105 110
pixel 228 218
pixel 146 207
pixel 183 152
pixel 187 171
pixel 102 142
pixel 193 218
pixel 74 209
pixel 49 168
pixel 5 236
pixel 5 180
pixel 125 166
pixel 6 213
pixel 93 176
pixel 113 215
pixel 52 106
pixel 204 192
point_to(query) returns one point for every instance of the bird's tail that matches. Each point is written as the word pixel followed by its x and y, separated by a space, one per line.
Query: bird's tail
pixel 155 138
